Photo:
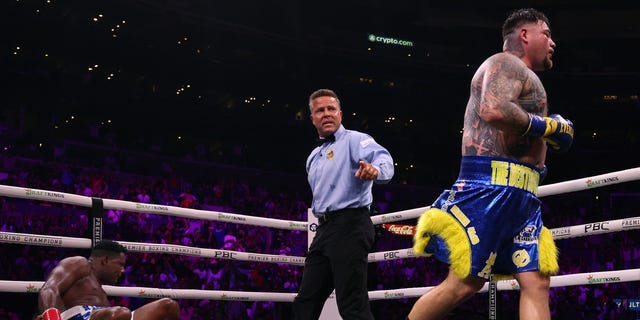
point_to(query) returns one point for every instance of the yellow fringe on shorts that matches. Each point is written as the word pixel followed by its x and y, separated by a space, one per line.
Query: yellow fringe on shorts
pixel 436 221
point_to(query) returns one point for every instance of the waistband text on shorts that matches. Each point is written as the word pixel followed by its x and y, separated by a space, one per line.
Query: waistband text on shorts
pixel 515 175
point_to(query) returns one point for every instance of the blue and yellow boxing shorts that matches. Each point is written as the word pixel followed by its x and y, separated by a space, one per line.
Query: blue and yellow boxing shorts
pixel 489 222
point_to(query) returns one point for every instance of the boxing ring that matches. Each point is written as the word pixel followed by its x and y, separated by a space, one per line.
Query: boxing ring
pixel 98 206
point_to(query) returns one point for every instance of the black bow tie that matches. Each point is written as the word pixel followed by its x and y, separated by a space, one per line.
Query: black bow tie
pixel 330 138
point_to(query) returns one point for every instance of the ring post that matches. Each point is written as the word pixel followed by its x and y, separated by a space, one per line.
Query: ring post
pixel 95 224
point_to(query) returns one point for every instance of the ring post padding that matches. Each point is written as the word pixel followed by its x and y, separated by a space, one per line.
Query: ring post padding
pixel 95 224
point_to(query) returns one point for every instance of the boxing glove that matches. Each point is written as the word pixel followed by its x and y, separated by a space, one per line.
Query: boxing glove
pixel 51 314
pixel 554 129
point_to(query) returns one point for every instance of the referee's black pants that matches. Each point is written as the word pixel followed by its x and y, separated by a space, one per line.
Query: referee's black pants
pixel 337 258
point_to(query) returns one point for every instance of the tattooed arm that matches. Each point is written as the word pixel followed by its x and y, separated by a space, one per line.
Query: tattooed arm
pixel 505 78
pixel 503 92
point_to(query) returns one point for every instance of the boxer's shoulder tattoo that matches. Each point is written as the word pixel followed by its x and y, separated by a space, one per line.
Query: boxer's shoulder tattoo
pixel 533 98
pixel 505 77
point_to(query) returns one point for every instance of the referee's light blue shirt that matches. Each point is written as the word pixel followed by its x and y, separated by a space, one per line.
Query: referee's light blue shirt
pixel 331 170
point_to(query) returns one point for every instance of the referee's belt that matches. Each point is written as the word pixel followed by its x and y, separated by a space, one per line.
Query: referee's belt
pixel 332 215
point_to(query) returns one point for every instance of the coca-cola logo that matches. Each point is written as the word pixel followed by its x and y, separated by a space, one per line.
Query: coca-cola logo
pixel 406 230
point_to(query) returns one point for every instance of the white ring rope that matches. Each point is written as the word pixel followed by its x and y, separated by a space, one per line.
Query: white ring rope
pixel 577 279
pixel 84 201
pixel 596 228
pixel 69 242
pixel 82 243
pixel 590 182
pixel 147 292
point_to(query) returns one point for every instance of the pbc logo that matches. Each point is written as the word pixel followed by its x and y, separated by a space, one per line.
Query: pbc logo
pixel 391 255
pixel 596 227
pixel 224 255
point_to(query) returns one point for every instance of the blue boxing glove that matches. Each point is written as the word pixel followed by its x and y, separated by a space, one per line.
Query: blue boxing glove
pixel 554 129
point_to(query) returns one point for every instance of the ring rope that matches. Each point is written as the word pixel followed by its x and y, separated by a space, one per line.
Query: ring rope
pixel 598 181
pixel 84 201
pixel 593 228
pixel 68 198
pixel 588 278
pixel 82 243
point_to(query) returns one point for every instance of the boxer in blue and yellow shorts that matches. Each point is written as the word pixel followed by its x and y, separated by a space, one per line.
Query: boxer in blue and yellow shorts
pixel 489 222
